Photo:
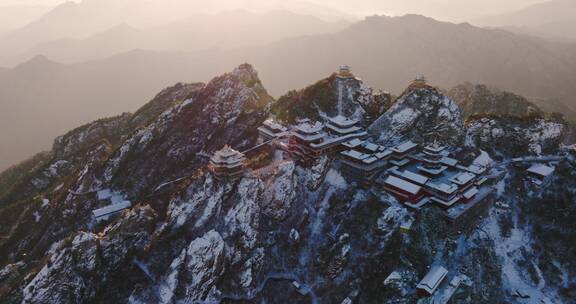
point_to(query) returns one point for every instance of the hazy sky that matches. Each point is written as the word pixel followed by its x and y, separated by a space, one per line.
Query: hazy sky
pixel 456 10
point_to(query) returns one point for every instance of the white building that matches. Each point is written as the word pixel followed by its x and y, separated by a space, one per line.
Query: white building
pixel 540 173
pixel 106 212
pixel 432 281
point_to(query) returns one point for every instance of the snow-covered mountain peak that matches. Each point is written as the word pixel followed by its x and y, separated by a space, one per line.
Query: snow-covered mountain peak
pixel 422 115
pixel 338 94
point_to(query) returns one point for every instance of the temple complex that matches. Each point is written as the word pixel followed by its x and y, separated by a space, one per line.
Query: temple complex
pixel 362 161
pixel 311 140
pixel 417 176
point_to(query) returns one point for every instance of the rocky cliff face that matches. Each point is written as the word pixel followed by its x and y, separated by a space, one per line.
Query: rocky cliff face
pixel 120 153
pixel 225 111
pixel 78 265
pixel 422 115
pixel 347 96
pixel 515 136
pixel 279 232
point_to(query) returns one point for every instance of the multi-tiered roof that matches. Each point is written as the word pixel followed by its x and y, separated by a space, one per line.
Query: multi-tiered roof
pixel 309 132
pixel 342 126
pixel 227 163
pixel 311 140
pixel 432 157
pixel 271 129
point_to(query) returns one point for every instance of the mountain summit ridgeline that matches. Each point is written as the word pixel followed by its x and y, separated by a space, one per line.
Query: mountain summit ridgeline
pixel 204 195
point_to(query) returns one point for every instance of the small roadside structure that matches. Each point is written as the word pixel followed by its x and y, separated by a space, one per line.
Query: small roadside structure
pixel 431 281
pixel 407 226
pixel 393 279
pixel 108 211
pixel 540 173
pixel 502 205
pixel 301 289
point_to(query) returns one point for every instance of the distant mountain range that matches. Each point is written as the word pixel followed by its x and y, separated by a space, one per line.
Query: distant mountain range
pixel 42 98
pixel 13 16
pixel 226 30
pixel 87 19
pixel 552 19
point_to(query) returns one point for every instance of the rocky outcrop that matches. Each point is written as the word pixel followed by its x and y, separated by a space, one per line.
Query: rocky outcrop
pixel 205 263
pixel 225 111
pixel 514 136
pixel 73 263
pixel 201 201
pixel 347 96
pixel 81 264
pixel 278 197
pixel 422 115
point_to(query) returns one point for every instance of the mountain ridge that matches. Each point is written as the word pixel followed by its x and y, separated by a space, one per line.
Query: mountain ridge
pixel 388 62
pixel 190 236
pixel 547 19
pixel 187 34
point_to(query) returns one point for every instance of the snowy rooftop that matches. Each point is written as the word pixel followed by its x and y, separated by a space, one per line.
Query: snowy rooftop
pixel 541 169
pixel 401 162
pixel 355 154
pixel 310 137
pixel 383 154
pixel 226 152
pixel 370 160
pixel 309 128
pixel 343 130
pixel 272 132
pixel 272 124
pixel 104 194
pixel 470 193
pixel 476 169
pixel 108 210
pixel 395 276
pixel 402 185
pixel 449 161
pixel 371 146
pixel 432 171
pixel 445 188
pixel 342 121
pixel 417 178
pixel 463 178
pixel 447 203
pixel 227 156
pixel 354 143
pixel 434 148
pixel 405 147
pixel 332 140
pixel 433 279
